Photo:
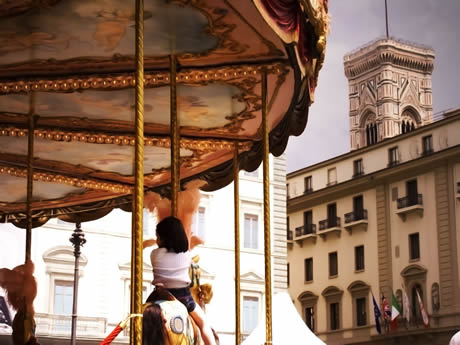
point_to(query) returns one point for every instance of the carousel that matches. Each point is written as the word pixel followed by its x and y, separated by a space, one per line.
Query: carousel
pixel 104 101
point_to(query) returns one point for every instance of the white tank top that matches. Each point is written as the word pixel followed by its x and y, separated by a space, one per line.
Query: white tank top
pixel 170 269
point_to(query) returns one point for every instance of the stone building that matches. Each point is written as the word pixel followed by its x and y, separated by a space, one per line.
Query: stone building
pixel 104 289
pixel 384 217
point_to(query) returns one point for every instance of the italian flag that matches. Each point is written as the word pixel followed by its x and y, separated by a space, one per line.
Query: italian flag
pixel 395 311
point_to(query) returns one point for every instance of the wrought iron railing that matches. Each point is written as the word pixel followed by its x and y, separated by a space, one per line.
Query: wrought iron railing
pixel 329 223
pixel 305 229
pixel 308 191
pixel 410 200
pixel 393 162
pixel 289 235
pixel 60 325
pixel 355 216
pixel 358 173
pixel 427 151
pixel 458 187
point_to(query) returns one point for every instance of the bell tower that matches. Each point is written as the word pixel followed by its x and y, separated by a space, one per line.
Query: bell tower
pixel 389 83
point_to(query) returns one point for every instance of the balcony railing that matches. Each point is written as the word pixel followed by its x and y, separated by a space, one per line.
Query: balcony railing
pixel 308 191
pixel 458 187
pixel 289 236
pixel 60 325
pixel 329 223
pixel 355 216
pixel 358 173
pixel 427 151
pixel 410 200
pixel 392 163
pixel 306 229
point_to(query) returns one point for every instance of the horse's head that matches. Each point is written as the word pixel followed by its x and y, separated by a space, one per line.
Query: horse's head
pixel 166 321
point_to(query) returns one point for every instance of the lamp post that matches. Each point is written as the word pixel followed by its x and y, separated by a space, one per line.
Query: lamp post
pixel 78 240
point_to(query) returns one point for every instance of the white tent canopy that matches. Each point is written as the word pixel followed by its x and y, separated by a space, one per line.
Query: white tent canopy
pixel 288 327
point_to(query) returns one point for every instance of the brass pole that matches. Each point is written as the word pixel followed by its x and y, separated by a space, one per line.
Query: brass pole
pixel 30 173
pixel 236 198
pixel 30 182
pixel 175 138
pixel 267 242
pixel 138 200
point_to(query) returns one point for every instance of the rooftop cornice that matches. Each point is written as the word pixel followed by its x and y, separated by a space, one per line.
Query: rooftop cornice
pixel 388 51
pixel 448 116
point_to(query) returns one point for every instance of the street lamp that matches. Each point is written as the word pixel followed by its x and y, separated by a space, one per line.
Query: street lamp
pixel 78 240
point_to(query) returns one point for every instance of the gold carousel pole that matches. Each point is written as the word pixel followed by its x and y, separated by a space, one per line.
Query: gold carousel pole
pixel 267 242
pixel 236 198
pixel 138 200
pixel 30 173
pixel 30 182
pixel 175 138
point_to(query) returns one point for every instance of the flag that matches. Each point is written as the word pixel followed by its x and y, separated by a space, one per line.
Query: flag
pixel 386 309
pixel 406 308
pixel 422 310
pixel 395 311
pixel 377 315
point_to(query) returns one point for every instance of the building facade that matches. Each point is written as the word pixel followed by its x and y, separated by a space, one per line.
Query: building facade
pixel 382 219
pixel 104 288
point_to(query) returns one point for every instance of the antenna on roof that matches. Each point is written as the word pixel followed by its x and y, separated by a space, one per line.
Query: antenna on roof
pixel 386 18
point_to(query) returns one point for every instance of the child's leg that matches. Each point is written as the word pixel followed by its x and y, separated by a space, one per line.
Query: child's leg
pixel 200 319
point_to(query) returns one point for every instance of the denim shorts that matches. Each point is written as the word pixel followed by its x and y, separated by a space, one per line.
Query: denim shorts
pixel 185 297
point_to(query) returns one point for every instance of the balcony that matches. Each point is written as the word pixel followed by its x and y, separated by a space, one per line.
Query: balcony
pixel 51 325
pixel 329 226
pixel 307 191
pixel 427 151
pixel 289 236
pixel 393 163
pixel 356 220
pixel 306 231
pixel 358 173
pixel 457 194
pixel 410 204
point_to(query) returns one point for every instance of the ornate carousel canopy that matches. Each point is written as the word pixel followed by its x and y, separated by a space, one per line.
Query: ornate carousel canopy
pixel 68 67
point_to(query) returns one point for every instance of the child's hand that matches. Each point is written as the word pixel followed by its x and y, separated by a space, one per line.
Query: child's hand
pixel 148 243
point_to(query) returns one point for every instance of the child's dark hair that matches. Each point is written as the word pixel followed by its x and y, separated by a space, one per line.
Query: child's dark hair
pixel 172 235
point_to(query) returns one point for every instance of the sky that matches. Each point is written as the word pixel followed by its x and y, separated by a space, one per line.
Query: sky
pixel 354 23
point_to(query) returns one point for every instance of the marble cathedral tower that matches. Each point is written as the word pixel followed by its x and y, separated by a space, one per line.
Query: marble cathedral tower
pixel 389 89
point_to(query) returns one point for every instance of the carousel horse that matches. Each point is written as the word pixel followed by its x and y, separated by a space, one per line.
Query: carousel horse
pixel 21 290
pixel 166 321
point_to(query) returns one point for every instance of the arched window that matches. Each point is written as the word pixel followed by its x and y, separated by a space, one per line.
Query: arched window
pixel 409 120
pixel 371 133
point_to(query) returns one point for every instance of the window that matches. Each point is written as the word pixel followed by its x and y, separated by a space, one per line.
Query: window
pixel 310 318
pixel 331 176
pixel 361 318
pixel 63 302
pixel 288 274
pixel 250 313
pixel 308 301
pixel 414 246
pixel 427 143
pixel 371 134
pixel 393 156
pixel 254 173
pixel 287 191
pixel 358 207
pixel 359 258
pixel 358 168
pixel 199 223
pixel 63 292
pixel 359 293
pixel 412 192
pixel 308 185
pixel 308 217
pixel 331 215
pixel 309 270
pixel 251 225
pixel 334 317
pixel 333 265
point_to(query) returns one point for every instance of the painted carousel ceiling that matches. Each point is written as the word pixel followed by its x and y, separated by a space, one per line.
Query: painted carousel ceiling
pixel 70 66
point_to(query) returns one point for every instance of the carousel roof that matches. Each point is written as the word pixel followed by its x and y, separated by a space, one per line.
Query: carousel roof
pixel 70 65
